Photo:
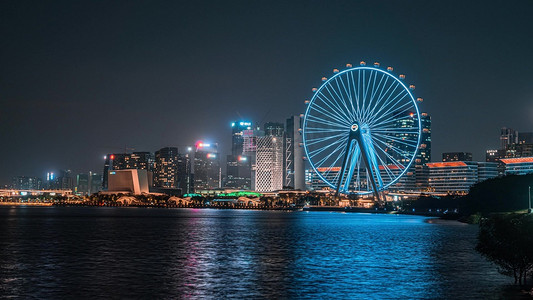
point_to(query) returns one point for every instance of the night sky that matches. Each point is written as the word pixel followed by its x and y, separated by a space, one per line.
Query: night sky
pixel 80 79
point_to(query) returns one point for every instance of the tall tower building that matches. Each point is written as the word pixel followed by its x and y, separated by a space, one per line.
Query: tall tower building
pixel 185 176
pixel 269 163
pixel 166 170
pixel 206 167
pixel 508 136
pixel 273 129
pixel 294 164
pixel 238 165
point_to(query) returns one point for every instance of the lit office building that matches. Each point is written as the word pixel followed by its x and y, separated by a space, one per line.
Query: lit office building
pixel 239 165
pixel 508 136
pixel 82 184
pixel 125 161
pixel 166 170
pixel 459 176
pixel 95 183
pixel 517 166
pixel 294 165
pixel 26 183
pixel 456 156
pixel 132 181
pixel 250 150
pixel 185 176
pixel 206 167
pixel 274 129
pixel 269 164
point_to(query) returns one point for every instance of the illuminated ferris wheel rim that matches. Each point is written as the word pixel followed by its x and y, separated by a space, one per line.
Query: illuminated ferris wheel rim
pixel 328 82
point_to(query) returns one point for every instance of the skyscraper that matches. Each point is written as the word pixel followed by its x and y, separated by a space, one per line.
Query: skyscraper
pixel 508 136
pixel 273 129
pixel 125 161
pixel 82 184
pixel 206 167
pixel 26 183
pixel 294 165
pixel 238 165
pixel 95 183
pixel 185 176
pixel 269 161
pixel 166 170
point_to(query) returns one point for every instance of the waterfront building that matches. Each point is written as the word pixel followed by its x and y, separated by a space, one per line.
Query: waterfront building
pixel 206 169
pixel 459 176
pixel 238 164
pixel 124 161
pixel 269 163
pixel 185 176
pixel 26 183
pixel 456 156
pixel 95 183
pixel 82 184
pixel 166 168
pixel 134 181
pixel 294 164
pixel 517 166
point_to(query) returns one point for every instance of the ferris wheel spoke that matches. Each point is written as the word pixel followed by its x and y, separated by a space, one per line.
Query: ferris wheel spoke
pixel 370 96
pixel 390 122
pixel 330 114
pixel 367 112
pixel 388 97
pixel 355 94
pixel 383 95
pixel 400 152
pixel 322 121
pixel 335 108
pixel 345 113
pixel 394 161
pixel 338 150
pixel 407 106
pixel 342 99
pixel 316 130
pixel 315 152
pixel 384 166
pixel 346 87
pixel 385 111
pixel 398 140
pixel 317 140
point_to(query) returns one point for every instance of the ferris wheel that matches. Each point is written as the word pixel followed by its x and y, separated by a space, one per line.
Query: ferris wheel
pixel 361 130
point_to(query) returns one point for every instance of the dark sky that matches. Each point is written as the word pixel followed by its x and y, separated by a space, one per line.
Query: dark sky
pixel 79 79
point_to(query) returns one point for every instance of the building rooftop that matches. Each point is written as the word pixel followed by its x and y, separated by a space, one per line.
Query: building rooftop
pixel 517 160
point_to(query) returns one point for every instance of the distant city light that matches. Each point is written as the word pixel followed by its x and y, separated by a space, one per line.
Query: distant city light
pixel 211 155
pixel 189 149
pixel 242 158
pixel 201 144
pixel 112 156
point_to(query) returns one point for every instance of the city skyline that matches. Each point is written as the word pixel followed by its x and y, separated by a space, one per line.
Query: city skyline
pixel 73 91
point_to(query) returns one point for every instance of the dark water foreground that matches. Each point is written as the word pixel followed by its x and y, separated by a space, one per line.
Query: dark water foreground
pixel 62 252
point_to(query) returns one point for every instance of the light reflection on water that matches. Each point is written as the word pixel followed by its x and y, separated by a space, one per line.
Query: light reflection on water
pixel 184 253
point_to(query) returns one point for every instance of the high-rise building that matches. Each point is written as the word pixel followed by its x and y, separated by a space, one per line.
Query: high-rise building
pixel 273 129
pixel 416 177
pixel 294 166
pixel 166 170
pixel 508 136
pixel 125 161
pixel 95 183
pixel 269 164
pixel 250 150
pixel 456 156
pixel 185 176
pixel 82 184
pixel 424 152
pixel 237 136
pixel 26 183
pixel 206 167
pixel 239 165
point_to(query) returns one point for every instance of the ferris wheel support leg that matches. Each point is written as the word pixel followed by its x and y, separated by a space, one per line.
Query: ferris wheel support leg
pixel 349 146
pixel 369 156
